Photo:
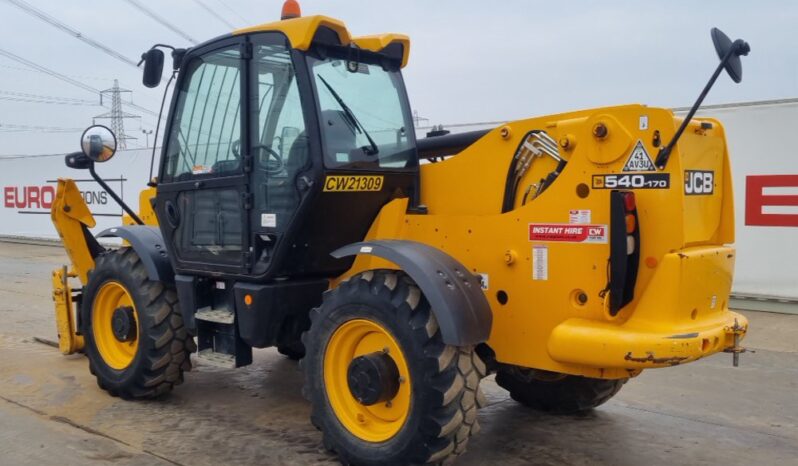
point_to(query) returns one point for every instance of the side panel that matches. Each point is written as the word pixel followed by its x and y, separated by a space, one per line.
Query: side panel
pixel 275 312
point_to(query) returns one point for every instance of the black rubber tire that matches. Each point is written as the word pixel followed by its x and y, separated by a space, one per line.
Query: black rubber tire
pixel 556 393
pixel 445 392
pixel 164 344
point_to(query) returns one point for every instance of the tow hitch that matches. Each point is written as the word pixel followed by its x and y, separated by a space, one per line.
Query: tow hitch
pixel 738 331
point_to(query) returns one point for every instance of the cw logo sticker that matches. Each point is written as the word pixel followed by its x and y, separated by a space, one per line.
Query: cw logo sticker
pixel 352 183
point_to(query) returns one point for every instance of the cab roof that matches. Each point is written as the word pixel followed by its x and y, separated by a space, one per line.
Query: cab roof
pixel 301 33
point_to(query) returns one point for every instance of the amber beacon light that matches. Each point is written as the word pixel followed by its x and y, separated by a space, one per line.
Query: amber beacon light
pixel 290 10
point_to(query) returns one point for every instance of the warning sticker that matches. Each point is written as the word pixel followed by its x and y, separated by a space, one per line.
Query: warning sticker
pixel 639 161
pixel 578 216
pixel 568 233
pixel 540 262
pixel 268 220
pixel 643 122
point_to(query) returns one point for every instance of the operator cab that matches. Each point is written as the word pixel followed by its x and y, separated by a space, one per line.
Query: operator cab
pixel 284 142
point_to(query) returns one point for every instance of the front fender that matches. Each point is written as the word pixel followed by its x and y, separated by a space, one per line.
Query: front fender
pixel 455 294
pixel 149 245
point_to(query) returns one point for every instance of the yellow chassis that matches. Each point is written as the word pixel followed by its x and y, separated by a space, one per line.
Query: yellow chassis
pixel 680 311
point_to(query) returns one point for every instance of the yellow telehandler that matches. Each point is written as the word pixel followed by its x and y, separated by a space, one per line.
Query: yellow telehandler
pixel 294 207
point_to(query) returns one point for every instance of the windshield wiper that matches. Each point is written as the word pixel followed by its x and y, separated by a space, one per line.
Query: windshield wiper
pixel 373 150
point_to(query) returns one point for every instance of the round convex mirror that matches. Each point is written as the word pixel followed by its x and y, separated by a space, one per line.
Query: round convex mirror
pixel 723 45
pixel 98 143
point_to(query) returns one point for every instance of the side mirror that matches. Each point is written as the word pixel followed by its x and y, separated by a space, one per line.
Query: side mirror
pixel 98 143
pixel 730 52
pixel 153 67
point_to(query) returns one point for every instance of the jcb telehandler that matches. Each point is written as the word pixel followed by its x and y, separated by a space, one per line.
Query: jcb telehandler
pixel 294 207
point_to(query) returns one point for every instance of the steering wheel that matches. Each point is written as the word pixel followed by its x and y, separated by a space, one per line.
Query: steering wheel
pixel 274 161
pixel 235 149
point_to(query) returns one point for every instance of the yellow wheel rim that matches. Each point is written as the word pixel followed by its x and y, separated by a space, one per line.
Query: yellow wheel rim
pixel 117 354
pixel 378 422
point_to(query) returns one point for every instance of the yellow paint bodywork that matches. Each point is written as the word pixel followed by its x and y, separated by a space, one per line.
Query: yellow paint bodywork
pixel 68 339
pixel 300 33
pixel 680 309
pixel 69 214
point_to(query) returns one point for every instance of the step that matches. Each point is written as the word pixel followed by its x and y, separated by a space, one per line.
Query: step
pixel 212 358
pixel 220 316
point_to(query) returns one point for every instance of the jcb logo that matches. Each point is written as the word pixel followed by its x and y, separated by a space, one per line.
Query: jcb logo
pixel 699 182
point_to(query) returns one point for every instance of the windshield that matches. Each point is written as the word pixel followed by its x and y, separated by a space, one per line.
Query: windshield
pixel 365 118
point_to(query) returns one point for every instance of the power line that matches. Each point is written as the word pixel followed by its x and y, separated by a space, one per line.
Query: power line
pixel 67 79
pixel 224 4
pixel 7 128
pixel 161 20
pixel 48 98
pixel 30 9
pixel 214 13
pixel 59 154
pixel 19 68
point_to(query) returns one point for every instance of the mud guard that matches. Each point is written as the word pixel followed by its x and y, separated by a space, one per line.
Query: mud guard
pixel 148 244
pixel 455 294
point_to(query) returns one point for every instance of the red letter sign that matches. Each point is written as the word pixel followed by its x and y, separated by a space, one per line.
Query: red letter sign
pixel 8 193
pixel 755 200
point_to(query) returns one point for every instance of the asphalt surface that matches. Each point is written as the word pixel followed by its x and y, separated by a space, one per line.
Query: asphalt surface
pixel 52 413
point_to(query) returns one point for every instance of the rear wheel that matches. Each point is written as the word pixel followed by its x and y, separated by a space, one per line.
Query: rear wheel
pixel 554 392
pixel 384 387
pixel 135 339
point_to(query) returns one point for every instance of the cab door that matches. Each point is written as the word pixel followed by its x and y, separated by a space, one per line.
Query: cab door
pixel 203 191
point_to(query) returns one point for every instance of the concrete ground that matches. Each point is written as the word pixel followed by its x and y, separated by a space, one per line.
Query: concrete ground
pixel 52 413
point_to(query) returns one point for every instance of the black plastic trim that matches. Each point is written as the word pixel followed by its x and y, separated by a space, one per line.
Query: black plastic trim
pixel 449 144
pixel 455 294
pixel 186 286
pixel 149 245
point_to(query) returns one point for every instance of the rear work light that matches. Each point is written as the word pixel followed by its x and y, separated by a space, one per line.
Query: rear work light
pixel 624 249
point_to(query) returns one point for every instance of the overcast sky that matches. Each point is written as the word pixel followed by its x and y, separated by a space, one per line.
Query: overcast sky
pixel 470 60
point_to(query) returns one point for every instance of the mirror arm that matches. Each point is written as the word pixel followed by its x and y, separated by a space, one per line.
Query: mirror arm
pixel 665 152
pixel 113 194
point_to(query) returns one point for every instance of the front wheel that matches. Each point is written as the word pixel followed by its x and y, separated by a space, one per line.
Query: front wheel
pixel 384 387
pixel 135 339
pixel 556 393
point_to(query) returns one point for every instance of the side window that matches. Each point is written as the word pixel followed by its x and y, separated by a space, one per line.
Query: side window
pixel 206 133
pixel 279 142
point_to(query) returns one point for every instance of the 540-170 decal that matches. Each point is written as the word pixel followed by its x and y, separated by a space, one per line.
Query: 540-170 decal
pixel 636 181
